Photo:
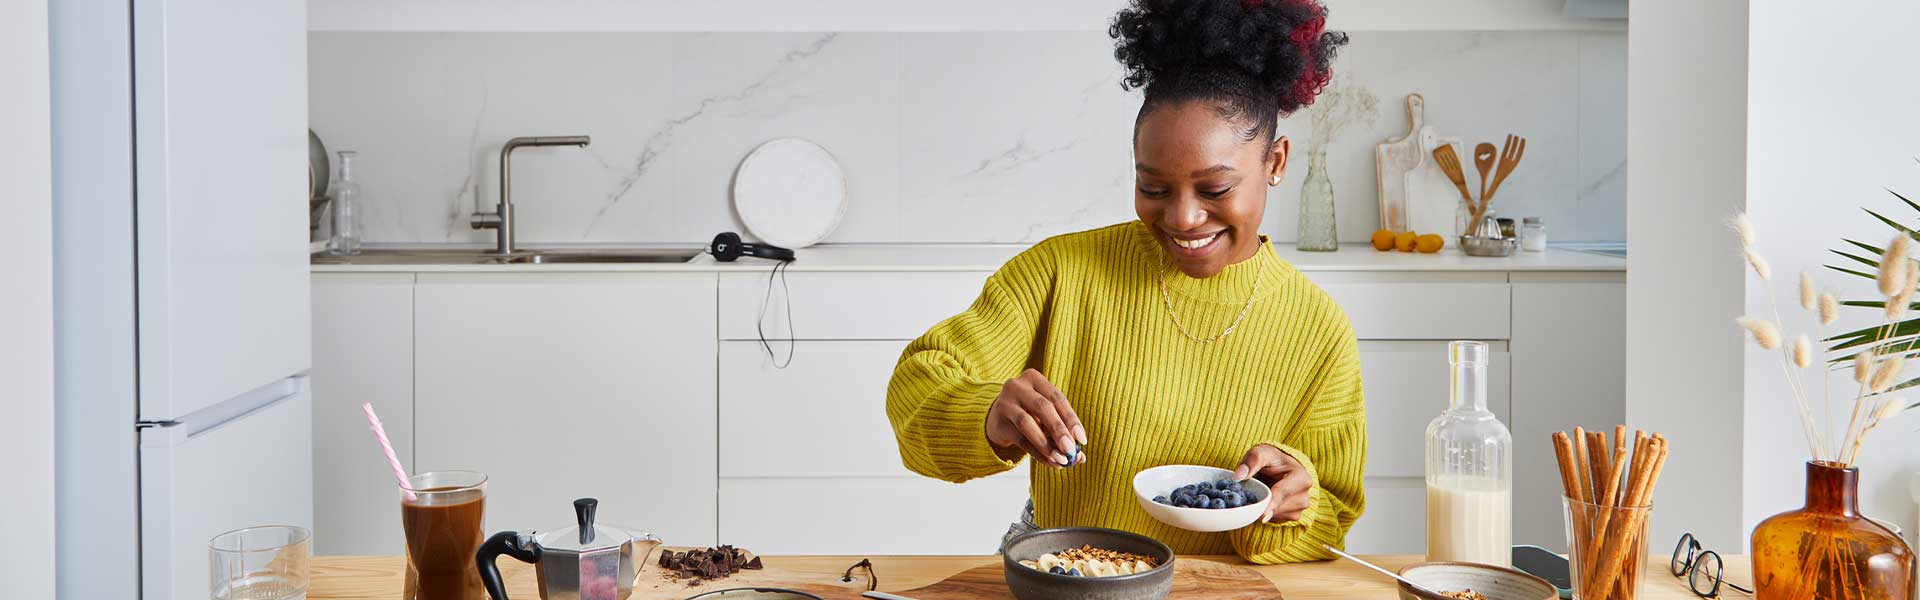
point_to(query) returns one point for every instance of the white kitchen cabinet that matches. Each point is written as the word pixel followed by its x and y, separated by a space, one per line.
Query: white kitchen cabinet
pixel 1569 366
pixel 862 516
pixel 844 306
pixel 1396 518
pixel 564 385
pixel 1405 383
pixel 823 416
pixel 362 353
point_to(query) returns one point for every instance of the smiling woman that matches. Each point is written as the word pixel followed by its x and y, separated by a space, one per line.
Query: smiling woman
pixel 1180 338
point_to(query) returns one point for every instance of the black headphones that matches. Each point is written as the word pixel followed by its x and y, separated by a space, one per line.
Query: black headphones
pixel 727 247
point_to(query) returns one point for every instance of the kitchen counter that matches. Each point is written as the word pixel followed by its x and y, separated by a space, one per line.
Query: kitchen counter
pixel 989 257
pixel 381 577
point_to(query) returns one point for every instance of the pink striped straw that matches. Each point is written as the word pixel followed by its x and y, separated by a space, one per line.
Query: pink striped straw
pixel 380 433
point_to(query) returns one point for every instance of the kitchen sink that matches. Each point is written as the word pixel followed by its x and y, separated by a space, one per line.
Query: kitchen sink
pixel 649 256
pixel 412 256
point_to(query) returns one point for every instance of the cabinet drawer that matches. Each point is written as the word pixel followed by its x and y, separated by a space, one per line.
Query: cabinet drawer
pixel 870 516
pixel 1443 310
pixel 1406 387
pixel 1396 518
pixel 823 416
pixel 843 306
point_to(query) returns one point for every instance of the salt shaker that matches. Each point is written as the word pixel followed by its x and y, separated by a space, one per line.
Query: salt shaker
pixel 1533 234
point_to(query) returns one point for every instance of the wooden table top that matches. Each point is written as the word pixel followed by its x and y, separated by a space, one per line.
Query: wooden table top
pixel 381 577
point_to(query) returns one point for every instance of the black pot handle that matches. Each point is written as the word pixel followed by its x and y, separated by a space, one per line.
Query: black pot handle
pixel 508 543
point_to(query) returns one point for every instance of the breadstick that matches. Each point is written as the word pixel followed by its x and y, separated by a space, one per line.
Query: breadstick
pixel 1597 462
pixel 1563 450
pixel 1583 464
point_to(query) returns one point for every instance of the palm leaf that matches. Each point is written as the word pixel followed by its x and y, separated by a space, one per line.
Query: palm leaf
pixel 1851 272
pixel 1916 207
pixel 1868 247
pixel 1859 259
pixel 1891 223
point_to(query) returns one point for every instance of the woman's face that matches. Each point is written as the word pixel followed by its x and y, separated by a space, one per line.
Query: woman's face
pixel 1200 187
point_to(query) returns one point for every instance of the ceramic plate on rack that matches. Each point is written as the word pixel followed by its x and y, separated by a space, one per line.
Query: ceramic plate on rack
pixel 790 192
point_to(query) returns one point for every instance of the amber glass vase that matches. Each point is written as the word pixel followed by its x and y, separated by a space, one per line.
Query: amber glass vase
pixel 1826 550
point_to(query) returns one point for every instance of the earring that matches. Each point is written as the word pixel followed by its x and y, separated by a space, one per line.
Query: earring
pixel 1275 181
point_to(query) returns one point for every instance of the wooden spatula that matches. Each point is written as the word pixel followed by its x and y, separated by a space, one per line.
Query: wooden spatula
pixel 1450 164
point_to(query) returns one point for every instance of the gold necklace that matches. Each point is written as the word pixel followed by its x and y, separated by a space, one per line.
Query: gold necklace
pixel 1167 299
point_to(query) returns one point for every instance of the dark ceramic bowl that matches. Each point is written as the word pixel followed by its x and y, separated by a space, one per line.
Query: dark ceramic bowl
pixel 1032 584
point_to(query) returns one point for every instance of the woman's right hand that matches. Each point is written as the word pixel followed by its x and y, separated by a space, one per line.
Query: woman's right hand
pixel 1032 415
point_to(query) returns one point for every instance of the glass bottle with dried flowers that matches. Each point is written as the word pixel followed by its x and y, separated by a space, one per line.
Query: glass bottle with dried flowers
pixel 1826 549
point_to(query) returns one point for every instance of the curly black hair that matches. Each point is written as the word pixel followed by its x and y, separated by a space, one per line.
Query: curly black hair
pixel 1256 60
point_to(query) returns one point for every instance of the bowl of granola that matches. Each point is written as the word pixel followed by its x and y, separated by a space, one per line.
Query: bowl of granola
pixel 1475 581
pixel 1088 562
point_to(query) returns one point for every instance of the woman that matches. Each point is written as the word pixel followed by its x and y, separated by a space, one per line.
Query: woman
pixel 1180 338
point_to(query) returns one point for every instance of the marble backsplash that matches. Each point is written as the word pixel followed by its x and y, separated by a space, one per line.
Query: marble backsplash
pixel 944 137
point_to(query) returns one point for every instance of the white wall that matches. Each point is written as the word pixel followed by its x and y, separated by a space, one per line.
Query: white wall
pixel 959 137
pixel 886 15
pixel 1686 148
pixel 1832 127
pixel 26 302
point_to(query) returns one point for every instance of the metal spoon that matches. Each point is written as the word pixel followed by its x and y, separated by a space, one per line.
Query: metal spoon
pixel 1420 590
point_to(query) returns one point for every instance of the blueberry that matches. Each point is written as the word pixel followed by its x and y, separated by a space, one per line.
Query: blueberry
pixel 1222 484
pixel 1218 503
pixel 1160 499
pixel 1057 570
pixel 1074 572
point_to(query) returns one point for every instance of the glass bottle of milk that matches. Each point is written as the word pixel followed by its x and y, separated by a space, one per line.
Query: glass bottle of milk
pixel 1469 469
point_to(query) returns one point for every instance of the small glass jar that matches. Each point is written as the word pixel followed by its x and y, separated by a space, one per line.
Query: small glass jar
pixel 1533 234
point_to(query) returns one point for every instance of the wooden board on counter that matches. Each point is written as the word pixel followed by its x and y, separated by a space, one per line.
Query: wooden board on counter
pixel 381 577
pixel 1193 579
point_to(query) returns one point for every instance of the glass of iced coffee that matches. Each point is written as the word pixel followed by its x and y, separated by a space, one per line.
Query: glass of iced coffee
pixel 443 516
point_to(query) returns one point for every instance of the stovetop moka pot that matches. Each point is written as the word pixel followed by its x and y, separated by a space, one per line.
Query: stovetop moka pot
pixel 584 562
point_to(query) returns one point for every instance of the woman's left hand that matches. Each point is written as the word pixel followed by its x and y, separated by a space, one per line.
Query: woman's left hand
pixel 1291 483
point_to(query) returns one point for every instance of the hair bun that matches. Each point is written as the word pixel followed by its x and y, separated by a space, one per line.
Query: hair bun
pixel 1279 47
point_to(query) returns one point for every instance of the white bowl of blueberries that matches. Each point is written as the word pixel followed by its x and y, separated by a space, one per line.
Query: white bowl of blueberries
pixel 1200 498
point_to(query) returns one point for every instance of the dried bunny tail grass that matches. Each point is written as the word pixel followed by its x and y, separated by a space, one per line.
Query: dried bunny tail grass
pixel 1764 332
pixel 1897 305
pixel 1829 309
pixel 1862 366
pixel 1760 265
pixel 1887 374
pixel 1802 351
pixel 1893 265
pixel 1807 298
pixel 1889 407
pixel 1743 226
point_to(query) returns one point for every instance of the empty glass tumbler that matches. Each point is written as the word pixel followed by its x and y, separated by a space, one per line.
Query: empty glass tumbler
pixel 261 563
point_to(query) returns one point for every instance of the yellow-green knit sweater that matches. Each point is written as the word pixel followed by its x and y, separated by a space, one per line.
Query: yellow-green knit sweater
pixel 1086 310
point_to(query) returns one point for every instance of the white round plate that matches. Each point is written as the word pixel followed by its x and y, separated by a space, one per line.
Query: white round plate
pixel 790 192
pixel 1160 481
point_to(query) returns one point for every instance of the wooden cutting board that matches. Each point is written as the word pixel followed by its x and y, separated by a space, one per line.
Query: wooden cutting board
pixel 1192 579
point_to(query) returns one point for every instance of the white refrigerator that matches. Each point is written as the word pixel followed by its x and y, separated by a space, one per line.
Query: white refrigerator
pixel 181 318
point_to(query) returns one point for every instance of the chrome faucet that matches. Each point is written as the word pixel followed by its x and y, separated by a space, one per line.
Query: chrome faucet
pixel 501 218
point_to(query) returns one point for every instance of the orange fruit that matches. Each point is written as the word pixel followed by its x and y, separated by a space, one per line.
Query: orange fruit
pixel 1403 241
pixel 1383 239
pixel 1429 243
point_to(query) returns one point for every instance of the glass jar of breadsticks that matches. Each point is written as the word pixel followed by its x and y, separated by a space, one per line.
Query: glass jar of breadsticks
pixel 1609 495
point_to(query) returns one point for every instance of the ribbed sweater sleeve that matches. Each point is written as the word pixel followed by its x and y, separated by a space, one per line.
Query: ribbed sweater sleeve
pixel 1332 445
pixel 946 379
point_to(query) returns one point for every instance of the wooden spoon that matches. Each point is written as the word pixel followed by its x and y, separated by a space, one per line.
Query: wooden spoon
pixel 1516 148
pixel 1483 158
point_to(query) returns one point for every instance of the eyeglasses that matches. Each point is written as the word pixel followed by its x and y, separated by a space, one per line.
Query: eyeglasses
pixel 873 581
pixel 1702 568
